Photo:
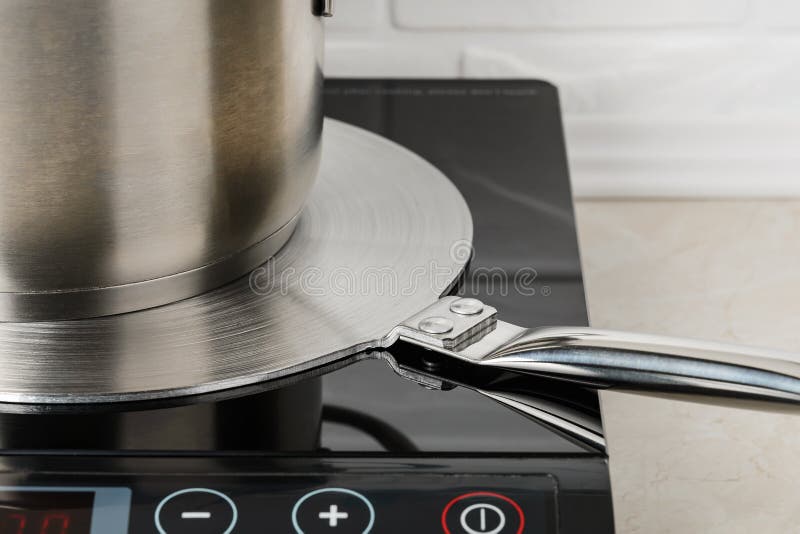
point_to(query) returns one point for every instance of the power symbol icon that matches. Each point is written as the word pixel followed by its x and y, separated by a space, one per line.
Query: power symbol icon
pixel 483 512
pixel 483 518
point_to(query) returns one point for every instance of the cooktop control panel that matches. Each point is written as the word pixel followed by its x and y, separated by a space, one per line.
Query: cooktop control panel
pixel 221 495
pixel 314 504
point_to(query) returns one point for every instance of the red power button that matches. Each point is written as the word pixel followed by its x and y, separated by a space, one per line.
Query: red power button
pixel 483 512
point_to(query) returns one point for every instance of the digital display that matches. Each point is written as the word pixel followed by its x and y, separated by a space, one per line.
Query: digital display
pixel 46 512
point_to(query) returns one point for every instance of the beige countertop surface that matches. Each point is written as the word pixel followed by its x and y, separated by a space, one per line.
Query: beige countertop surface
pixel 726 270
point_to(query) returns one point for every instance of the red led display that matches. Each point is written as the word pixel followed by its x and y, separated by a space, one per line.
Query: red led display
pixel 45 512
pixel 36 523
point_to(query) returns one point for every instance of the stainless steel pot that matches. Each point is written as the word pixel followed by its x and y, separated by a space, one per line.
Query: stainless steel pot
pixel 152 149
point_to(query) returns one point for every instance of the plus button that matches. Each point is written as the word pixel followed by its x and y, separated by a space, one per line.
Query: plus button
pixel 332 510
pixel 333 515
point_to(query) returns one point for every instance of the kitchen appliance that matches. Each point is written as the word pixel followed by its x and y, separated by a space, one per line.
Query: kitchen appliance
pixel 251 458
pixel 103 99
pixel 98 412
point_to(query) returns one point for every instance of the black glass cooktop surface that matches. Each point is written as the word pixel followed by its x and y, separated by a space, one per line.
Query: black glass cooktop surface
pixel 502 144
pixel 358 449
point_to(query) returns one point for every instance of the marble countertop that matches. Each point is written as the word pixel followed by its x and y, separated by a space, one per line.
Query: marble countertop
pixel 725 270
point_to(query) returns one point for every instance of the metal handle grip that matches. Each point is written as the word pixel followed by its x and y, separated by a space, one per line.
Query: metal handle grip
pixel 485 348
pixel 603 359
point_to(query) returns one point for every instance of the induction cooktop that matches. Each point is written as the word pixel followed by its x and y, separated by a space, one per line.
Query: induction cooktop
pixel 358 449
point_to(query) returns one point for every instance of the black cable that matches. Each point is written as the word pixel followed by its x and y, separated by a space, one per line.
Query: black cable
pixel 388 436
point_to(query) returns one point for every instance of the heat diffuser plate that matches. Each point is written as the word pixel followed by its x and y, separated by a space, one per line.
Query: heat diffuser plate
pixel 384 234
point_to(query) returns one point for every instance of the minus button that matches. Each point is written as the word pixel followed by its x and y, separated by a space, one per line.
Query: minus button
pixel 195 511
pixel 196 515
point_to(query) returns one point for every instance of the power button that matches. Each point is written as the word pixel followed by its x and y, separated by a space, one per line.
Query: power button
pixel 483 512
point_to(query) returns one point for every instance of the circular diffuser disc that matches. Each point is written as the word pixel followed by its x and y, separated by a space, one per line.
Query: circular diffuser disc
pixel 384 234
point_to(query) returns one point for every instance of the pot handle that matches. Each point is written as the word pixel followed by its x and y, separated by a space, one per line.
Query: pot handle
pixel 656 364
pixel 323 8
pixel 468 330
pixel 476 350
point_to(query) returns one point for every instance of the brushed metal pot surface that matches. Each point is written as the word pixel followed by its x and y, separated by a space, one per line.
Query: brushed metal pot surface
pixel 150 150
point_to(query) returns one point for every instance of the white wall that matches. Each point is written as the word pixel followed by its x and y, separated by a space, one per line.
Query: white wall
pixel 670 98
